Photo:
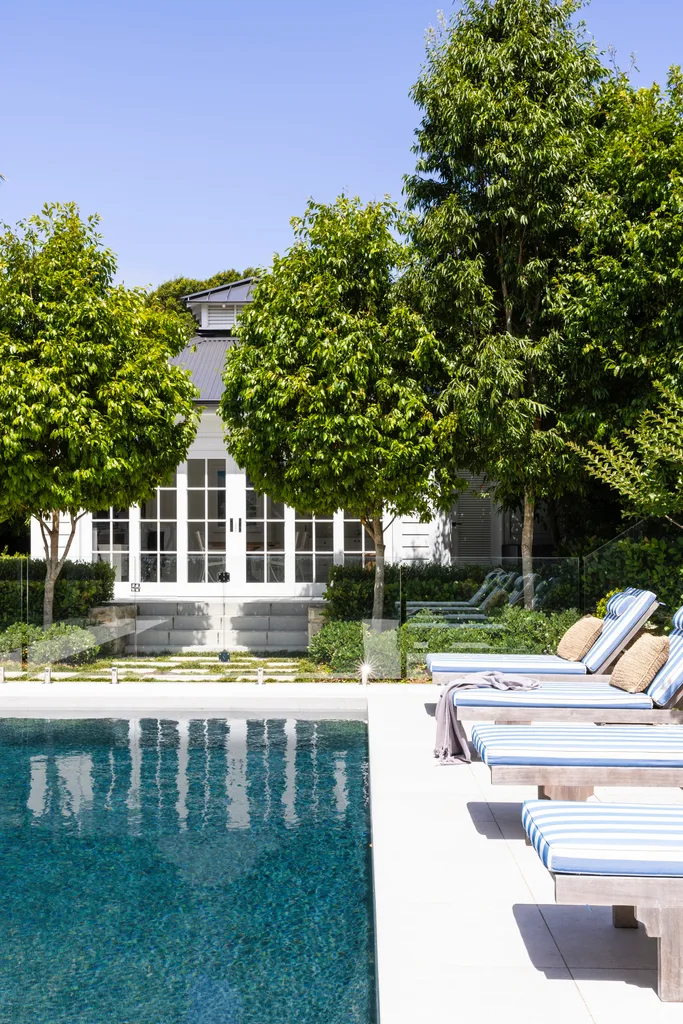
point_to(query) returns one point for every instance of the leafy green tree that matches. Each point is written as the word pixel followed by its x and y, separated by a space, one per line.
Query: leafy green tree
pixel 620 292
pixel 325 402
pixel 91 412
pixel 645 464
pixel 169 294
pixel 507 96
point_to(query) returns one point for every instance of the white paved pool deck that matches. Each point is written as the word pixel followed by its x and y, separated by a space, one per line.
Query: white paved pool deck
pixel 466 924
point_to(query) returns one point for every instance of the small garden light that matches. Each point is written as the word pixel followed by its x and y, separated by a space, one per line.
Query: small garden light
pixel 365 669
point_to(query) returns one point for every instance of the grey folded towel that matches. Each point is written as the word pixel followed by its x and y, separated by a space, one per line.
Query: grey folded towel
pixel 451 739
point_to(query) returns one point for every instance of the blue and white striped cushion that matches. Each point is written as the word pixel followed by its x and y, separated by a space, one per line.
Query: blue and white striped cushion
pixel 624 611
pixel 583 693
pixel 606 839
pixel 669 679
pixel 630 746
pixel 525 664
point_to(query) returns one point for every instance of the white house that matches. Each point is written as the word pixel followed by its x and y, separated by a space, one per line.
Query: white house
pixel 211 521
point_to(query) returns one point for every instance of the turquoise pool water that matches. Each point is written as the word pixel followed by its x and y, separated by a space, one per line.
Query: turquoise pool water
pixel 205 872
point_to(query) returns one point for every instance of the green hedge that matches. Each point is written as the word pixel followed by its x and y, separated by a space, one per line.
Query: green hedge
pixel 81 586
pixel 652 563
pixel 350 589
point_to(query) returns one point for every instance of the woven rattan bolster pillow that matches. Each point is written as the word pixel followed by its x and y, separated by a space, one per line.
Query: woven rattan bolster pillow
pixel 579 638
pixel 638 666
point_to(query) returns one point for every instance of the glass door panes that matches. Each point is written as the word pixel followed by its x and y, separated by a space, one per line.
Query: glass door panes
pixel 159 537
pixel 265 539
pixel 359 547
pixel 314 548
pixel 111 540
pixel 207 525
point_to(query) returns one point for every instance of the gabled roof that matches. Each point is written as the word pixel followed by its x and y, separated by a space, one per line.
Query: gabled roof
pixel 235 291
pixel 204 358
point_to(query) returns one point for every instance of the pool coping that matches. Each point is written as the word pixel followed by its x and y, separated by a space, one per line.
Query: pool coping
pixel 178 700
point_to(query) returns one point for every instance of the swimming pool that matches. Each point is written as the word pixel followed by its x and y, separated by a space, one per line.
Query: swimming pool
pixel 203 872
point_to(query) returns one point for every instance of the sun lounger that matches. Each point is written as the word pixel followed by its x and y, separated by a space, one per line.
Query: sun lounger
pixel 627 613
pixel 626 856
pixel 566 762
pixel 497 582
pixel 589 699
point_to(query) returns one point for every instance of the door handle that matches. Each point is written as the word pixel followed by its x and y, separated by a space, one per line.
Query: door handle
pixel 239 528
pixel 231 525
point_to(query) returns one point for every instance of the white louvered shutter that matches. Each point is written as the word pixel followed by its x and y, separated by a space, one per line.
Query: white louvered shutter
pixel 472 516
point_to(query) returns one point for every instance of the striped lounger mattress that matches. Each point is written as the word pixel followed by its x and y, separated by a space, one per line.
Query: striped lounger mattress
pixel 606 839
pixel 626 746
pixel 624 611
pixel 580 694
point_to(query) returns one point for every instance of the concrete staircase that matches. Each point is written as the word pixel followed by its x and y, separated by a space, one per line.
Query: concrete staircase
pixel 260 626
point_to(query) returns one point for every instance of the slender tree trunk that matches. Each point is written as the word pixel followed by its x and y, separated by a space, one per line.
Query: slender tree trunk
pixel 378 593
pixel 49 529
pixel 528 545
pixel 49 598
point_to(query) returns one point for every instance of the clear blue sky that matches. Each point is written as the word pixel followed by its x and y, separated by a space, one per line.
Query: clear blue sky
pixel 198 129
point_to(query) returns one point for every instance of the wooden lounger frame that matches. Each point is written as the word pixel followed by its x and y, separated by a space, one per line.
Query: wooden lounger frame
pixel 577 782
pixel 656 902
pixel 596 716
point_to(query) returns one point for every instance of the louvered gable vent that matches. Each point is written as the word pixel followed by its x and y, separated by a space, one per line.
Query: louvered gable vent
pixel 222 317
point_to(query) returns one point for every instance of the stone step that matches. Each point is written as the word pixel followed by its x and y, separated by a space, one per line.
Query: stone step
pixel 216 639
pixel 180 649
pixel 217 607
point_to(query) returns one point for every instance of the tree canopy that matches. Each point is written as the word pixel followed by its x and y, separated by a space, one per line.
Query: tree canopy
pixel 92 413
pixel 620 291
pixel 507 95
pixel 325 402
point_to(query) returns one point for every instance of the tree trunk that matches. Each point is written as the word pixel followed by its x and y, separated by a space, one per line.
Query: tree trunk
pixel 528 546
pixel 49 597
pixel 378 593
pixel 49 529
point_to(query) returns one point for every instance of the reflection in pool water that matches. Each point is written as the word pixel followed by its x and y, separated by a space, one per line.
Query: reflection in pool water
pixel 203 872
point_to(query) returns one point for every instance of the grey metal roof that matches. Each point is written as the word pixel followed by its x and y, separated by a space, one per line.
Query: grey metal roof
pixel 236 291
pixel 204 358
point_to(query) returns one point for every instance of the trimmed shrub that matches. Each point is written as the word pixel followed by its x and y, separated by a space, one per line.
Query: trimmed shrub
pixel 339 645
pixel 81 586
pixel 524 632
pixel 63 642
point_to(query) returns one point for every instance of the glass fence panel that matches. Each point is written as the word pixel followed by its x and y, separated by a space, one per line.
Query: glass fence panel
pixel 381 650
pixel 13 600
pixel 647 556
pixel 80 636
pixel 469 606
pixel 487 608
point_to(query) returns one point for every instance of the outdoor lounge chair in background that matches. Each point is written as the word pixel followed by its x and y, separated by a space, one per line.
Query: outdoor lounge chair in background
pixel 626 856
pixel 566 762
pixel 444 612
pixel 585 700
pixel 627 613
